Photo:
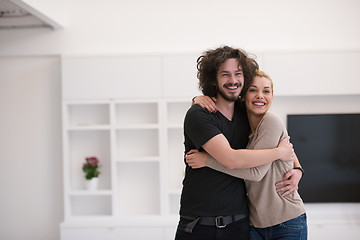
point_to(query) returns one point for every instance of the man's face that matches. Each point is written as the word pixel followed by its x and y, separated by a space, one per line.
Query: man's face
pixel 230 80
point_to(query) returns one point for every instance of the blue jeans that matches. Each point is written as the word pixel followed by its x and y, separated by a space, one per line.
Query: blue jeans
pixel 294 229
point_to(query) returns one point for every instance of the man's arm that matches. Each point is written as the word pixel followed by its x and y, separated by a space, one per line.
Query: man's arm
pixel 219 148
pixel 291 179
pixel 251 174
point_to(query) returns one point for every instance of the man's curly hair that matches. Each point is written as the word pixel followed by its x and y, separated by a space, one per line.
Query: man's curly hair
pixel 211 60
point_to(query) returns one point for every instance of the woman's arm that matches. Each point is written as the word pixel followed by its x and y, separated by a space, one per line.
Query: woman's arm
pixel 205 102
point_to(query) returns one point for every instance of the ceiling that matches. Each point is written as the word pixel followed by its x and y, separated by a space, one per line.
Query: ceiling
pixel 16 14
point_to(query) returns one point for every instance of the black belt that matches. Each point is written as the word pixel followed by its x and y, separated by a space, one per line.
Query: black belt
pixel 219 222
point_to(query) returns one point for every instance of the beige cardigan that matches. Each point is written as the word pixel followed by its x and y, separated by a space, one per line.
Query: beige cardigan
pixel 267 207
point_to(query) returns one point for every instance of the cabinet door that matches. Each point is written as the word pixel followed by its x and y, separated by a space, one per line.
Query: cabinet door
pixel 322 73
pixel 111 77
pixel 110 233
pixel 180 78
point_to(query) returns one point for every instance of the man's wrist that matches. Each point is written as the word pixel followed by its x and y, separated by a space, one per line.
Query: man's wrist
pixel 301 169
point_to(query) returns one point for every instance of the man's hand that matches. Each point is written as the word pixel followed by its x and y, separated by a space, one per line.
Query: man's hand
pixel 286 150
pixel 290 183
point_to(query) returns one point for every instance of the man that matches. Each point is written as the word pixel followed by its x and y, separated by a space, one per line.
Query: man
pixel 213 204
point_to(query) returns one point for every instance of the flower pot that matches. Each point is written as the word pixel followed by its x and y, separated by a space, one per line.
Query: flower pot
pixel 92 184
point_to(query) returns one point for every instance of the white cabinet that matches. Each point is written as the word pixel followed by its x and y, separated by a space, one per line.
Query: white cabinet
pixel 111 77
pixel 140 147
pixel 180 76
pixel 131 77
pixel 111 233
pixel 313 73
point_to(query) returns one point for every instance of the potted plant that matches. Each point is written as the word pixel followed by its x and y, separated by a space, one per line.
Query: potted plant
pixel 90 168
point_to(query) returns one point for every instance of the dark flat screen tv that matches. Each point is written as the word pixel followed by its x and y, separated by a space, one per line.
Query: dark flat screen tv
pixel 328 148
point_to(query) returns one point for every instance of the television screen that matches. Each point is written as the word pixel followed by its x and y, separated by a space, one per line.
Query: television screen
pixel 328 148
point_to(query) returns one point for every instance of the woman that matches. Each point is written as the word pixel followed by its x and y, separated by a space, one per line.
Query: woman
pixel 273 215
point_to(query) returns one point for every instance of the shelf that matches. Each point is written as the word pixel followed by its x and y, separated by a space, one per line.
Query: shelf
pixel 88 115
pixel 175 126
pixel 137 143
pixel 138 159
pixel 89 127
pixel 138 188
pixel 135 126
pixel 136 113
pixel 176 112
pixel 174 191
pixel 90 193
pixel 176 165
pixel 86 144
pixel 90 205
pixel 174 204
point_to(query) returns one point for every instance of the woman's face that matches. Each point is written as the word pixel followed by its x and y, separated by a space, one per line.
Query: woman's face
pixel 259 96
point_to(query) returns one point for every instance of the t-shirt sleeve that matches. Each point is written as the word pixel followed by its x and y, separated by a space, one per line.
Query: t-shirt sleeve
pixel 200 126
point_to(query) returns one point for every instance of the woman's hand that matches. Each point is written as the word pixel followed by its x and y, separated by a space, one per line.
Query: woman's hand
pixel 206 102
pixel 290 183
pixel 196 159
pixel 286 150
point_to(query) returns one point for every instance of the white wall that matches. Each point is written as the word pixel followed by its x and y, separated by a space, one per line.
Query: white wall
pixel 31 186
pixel 31 202
pixel 162 26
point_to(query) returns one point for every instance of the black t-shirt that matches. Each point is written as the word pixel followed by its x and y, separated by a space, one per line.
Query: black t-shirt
pixel 207 192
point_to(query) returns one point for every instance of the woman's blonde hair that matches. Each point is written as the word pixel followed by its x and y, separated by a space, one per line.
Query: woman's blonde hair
pixel 260 73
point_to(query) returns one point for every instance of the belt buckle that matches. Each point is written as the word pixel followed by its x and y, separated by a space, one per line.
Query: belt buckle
pixel 219 222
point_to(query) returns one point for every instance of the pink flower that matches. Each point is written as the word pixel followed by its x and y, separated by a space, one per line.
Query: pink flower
pixel 93 161
pixel 90 167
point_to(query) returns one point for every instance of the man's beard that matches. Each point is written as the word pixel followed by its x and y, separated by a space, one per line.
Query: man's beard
pixel 233 96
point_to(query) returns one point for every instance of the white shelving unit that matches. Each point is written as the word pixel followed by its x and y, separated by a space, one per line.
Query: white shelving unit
pixel 140 147
pixel 125 111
